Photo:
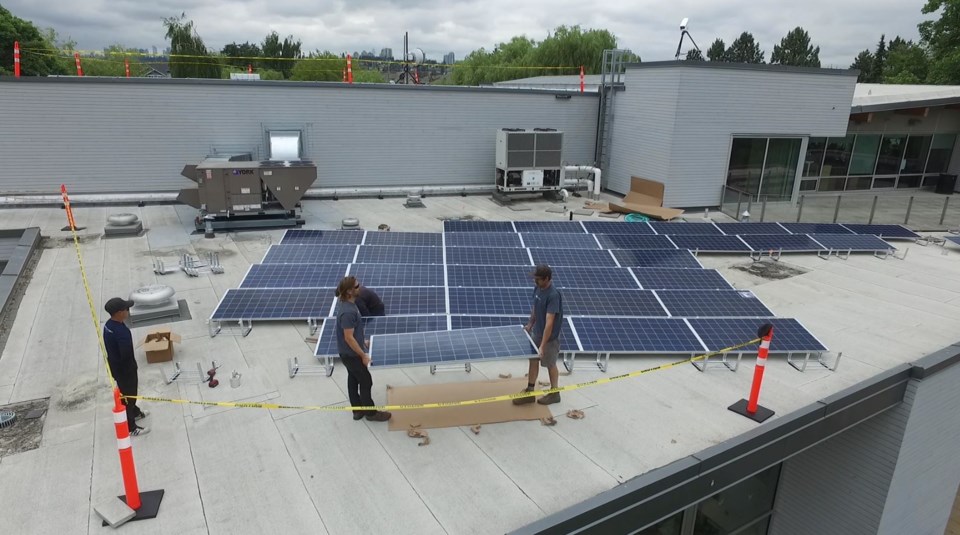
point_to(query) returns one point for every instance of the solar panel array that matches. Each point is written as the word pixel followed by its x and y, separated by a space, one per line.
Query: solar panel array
pixel 626 287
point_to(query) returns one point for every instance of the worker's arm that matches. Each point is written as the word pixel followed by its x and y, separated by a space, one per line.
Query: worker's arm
pixel 533 319
pixel 547 331
pixel 348 337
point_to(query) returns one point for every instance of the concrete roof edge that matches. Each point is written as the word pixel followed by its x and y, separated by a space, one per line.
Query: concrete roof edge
pixel 766 67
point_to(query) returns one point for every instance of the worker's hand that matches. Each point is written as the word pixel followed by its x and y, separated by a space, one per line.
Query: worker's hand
pixel 528 327
pixel 365 358
pixel 540 351
pixel 366 343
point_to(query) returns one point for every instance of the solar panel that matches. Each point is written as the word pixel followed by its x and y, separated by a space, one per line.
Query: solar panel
pixel 788 334
pixel 482 239
pixel 673 258
pixel 559 240
pixel 568 342
pixel 816 228
pixel 373 325
pixel 411 301
pixel 712 244
pixel 322 237
pixel 489 276
pixel 438 347
pixel 593 277
pixel 293 276
pixel 379 275
pixel 410 239
pixel 855 242
pixel 390 254
pixel 712 303
pixel 573 227
pixel 487 256
pixel 491 301
pixel 735 229
pixel 636 335
pixel 634 241
pixel 309 254
pixel 953 239
pixel 680 279
pixel 884 231
pixel 274 304
pixel 673 229
pixel 787 242
pixel 477 226
pixel 572 257
pixel 583 302
pixel 617 227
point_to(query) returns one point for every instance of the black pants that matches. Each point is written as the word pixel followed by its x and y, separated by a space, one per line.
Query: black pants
pixel 359 382
pixel 128 387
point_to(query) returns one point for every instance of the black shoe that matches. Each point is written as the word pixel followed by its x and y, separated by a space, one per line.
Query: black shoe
pixel 524 401
pixel 379 416
pixel 358 415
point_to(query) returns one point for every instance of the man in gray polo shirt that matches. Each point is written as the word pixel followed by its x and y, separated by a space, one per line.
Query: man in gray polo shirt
pixel 352 346
pixel 546 317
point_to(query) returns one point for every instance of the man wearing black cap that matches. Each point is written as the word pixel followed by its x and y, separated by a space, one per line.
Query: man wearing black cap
pixel 546 317
pixel 123 365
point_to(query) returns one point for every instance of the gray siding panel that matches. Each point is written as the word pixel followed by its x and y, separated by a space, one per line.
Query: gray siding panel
pixel 925 481
pixel 840 485
pixel 643 128
pixel 135 137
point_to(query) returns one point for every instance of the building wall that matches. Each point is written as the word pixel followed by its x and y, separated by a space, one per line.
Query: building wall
pixel 927 472
pixel 939 120
pixel 643 124
pixel 840 485
pixel 135 135
pixel 698 108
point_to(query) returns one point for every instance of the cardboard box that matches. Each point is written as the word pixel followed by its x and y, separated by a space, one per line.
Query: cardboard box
pixel 158 345
pixel 645 197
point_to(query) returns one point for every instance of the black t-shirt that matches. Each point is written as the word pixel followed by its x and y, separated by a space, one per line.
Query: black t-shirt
pixel 370 303
pixel 118 341
pixel 348 317
pixel 546 302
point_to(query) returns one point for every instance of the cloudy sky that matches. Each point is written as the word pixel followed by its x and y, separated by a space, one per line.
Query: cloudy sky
pixel 648 27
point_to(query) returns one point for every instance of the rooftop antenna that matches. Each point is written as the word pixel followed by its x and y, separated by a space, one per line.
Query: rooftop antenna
pixel 684 32
pixel 413 57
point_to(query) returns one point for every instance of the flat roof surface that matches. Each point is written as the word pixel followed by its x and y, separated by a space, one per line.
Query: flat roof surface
pixel 235 470
pixel 880 97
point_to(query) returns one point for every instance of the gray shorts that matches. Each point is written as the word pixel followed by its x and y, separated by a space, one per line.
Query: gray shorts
pixel 550 353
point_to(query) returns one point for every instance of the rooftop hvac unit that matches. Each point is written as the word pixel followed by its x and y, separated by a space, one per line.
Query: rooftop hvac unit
pixel 245 194
pixel 529 160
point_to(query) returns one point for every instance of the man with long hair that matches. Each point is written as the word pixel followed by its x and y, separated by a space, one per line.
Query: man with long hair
pixel 352 346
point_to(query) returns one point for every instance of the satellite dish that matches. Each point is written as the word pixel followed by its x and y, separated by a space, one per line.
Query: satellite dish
pixel 416 56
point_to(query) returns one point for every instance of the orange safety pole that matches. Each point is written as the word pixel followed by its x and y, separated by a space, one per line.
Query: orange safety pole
pixel 76 57
pixel 581 78
pixel 126 66
pixel 349 69
pixel 66 206
pixel 16 59
pixel 751 409
pixel 127 468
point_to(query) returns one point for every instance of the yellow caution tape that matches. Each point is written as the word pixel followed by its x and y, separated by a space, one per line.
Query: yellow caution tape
pixel 446 404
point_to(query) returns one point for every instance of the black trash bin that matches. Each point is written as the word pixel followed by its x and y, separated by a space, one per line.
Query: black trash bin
pixel 946 184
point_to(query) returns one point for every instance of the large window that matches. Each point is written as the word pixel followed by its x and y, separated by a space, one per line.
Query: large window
pixel 747 503
pixel 875 161
pixel 764 166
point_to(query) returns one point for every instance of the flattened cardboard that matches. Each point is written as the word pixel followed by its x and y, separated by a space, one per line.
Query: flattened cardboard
pixel 158 345
pixel 484 413
pixel 645 197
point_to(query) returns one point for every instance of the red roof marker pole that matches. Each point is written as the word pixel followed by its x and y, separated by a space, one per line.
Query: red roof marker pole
pixel 581 78
pixel 16 59
pixel 750 408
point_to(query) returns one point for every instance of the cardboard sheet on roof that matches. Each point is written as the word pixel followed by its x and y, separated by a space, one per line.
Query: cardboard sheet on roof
pixel 645 197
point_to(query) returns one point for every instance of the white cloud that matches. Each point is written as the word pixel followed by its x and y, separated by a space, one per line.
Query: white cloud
pixel 648 27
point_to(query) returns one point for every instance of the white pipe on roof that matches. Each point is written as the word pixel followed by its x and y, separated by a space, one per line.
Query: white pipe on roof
pixel 588 169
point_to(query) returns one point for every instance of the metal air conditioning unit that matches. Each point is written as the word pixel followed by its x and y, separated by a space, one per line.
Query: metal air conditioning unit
pixel 248 194
pixel 529 160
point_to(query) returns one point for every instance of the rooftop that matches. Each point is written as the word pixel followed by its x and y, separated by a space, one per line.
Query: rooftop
pixel 256 471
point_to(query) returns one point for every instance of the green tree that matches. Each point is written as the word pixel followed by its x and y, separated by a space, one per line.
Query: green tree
pixel 319 67
pixel 239 55
pixel 879 61
pixel 795 49
pixel 694 55
pixel 574 47
pixel 744 50
pixel 38 54
pixel 368 76
pixel 907 63
pixel 717 51
pixel 285 51
pixel 112 62
pixel 189 57
pixel 941 37
pixel 864 64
